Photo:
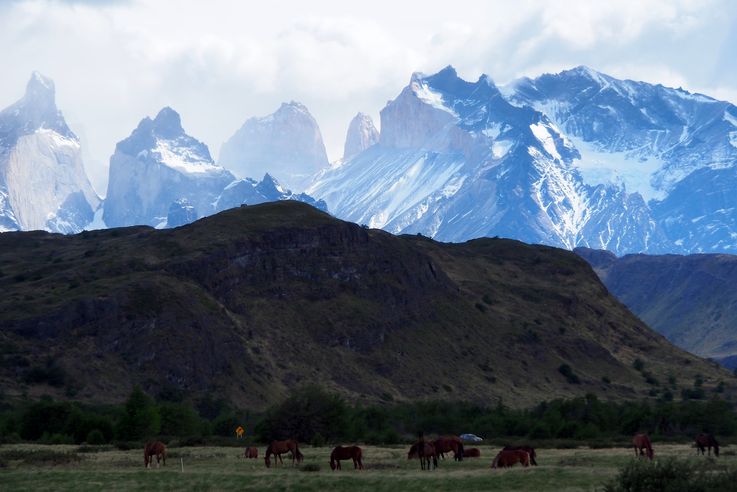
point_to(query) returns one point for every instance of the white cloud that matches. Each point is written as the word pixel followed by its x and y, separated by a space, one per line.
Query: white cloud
pixel 220 62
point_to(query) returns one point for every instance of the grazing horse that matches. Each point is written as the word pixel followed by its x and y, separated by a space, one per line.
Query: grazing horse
pixel 704 441
pixel 425 451
pixel 509 457
pixel 251 453
pixel 640 442
pixel 472 453
pixel 446 444
pixel 346 453
pixel 151 449
pixel 530 450
pixel 277 448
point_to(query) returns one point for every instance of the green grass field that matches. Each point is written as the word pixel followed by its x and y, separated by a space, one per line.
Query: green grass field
pixel 38 467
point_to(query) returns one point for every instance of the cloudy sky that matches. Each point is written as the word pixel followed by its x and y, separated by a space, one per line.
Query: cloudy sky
pixel 219 62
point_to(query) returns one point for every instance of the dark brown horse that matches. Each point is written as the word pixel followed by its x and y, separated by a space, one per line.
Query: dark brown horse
pixel 471 453
pixel 530 450
pixel 251 453
pixel 151 449
pixel 426 452
pixel 706 441
pixel 642 442
pixel 510 457
pixel 278 448
pixel 346 453
pixel 446 444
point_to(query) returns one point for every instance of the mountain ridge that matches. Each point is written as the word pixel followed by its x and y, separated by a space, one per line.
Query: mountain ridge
pixel 256 300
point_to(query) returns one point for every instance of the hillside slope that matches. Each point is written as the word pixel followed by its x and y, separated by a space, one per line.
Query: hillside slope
pixel 252 301
pixel 689 299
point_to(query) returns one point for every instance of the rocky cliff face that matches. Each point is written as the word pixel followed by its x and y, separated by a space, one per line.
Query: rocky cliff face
pixel 286 144
pixel 43 184
pixel 157 166
pixel 361 135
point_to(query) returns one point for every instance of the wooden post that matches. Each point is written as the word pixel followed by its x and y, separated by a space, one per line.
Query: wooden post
pixel 181 462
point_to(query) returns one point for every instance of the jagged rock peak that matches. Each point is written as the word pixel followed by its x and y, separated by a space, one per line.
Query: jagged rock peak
pixel 40 89
pixel 168 123
pixel 361 135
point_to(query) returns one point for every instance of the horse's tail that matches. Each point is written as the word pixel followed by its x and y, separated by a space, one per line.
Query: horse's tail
pixel 267 459
pixel 716 448
pixel 495 462
pixel 297 453
pixel 459 453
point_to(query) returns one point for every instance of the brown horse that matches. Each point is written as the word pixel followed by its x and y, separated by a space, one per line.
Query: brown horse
pixel 346 453
pixel 446 444
pixel 509 457
pixel 471 453
pixel 277 448
pixel 640 442
pixel 530 450
pixel 426 452
pixel 151 449
pixel 706 441
pixel 251 453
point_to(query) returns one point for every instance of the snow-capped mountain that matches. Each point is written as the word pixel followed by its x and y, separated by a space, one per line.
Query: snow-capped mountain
pixel 676 149
pixel 455 160
pixel 286 144
pixel 156 167
pixel 251 192
pixel 572 159
pixel 43 184
pixel 361 135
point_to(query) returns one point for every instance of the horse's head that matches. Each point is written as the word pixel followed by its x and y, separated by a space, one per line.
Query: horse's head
pixel 332 464
pixel 267 461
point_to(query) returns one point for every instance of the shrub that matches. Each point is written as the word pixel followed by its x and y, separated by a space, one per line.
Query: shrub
pixel 671 475
pixel 95 436
pixel 318 440
pixel 638 365
pixel 310 467
pixel 568 373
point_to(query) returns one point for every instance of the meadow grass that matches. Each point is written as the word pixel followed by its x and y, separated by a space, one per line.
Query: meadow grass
pixel 386 469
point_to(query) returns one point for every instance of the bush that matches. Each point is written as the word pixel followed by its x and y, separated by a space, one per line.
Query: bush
pixel 568 373
pixel 310 467
pixel 318 440
pixel 669 475
pixel 638 365
pixel 95 436
pixel 178 419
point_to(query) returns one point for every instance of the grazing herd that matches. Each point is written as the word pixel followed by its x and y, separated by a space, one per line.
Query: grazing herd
pixel 426 451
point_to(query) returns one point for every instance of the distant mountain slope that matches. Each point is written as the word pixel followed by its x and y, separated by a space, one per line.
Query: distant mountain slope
pixel 286 144
pixel 689 299
pixel 43 184
pixel 156 166
pixel 577 158
pixel 255 300
pixel 673 147
pixel 456 161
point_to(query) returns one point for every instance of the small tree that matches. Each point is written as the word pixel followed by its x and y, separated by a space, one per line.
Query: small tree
pixel 140 418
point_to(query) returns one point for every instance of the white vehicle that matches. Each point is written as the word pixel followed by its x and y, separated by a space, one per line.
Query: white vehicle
pixel 471 437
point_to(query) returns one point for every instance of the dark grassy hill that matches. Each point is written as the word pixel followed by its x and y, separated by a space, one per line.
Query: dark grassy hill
pixel 253 301
pixel 690 299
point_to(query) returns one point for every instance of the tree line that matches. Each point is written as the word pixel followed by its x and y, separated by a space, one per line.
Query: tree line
pixel 313 415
